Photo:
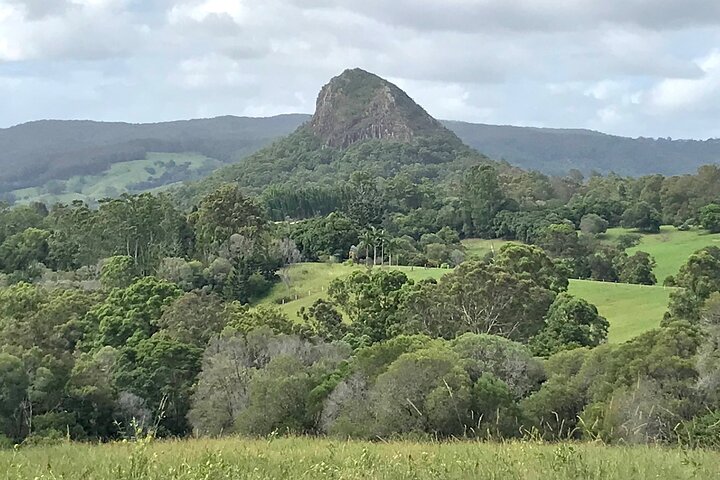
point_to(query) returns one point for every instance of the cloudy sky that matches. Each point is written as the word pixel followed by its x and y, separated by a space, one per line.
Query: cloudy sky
pixel 628 67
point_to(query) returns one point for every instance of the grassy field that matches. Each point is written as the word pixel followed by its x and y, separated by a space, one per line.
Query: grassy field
pixel 118 179
pixel 309 282
pixel 301 458
pixel 671 247
pixel 630 309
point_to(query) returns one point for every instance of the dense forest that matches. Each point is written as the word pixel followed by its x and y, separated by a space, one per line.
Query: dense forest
pixel 136 314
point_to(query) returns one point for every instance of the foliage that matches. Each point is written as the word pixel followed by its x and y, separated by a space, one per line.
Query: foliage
pixel 699 278
pixel 130 315
pixel 118 272
pixel 478 298
pixel 593 224
pixel 638 269
pixel 483 199
pixel 223 213
pixel 331 235
pixel 643 217
pixel 710 218
pixel 570 323
pixel 370 300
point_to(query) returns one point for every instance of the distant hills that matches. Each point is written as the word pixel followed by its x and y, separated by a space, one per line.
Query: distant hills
pixel 555 151
pixel 34 153
pixel 43 158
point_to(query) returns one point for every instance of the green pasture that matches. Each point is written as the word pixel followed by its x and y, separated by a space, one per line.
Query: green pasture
pixel 116 180
pixel 630 309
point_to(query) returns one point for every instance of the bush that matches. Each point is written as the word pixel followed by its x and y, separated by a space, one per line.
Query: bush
pixel 643 217
pixel 592 224
pixel 702 432
pixel 710 217
pixel 627 240
pixel 6 443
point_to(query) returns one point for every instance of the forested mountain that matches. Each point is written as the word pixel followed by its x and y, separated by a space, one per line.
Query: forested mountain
pixel 362 123
pixel 555 151
pixel 34 153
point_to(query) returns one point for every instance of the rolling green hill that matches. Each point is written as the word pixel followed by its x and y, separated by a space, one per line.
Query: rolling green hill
pixel 35 153
pixel 670 248
pixel 631 309
pixel 155 172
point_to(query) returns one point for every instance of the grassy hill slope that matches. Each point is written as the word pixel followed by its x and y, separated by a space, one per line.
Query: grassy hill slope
pixel 671 247
pixel 156 171
pixel 631 309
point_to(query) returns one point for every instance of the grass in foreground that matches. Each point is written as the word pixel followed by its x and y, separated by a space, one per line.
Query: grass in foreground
pixel 301 458
pixel 630 309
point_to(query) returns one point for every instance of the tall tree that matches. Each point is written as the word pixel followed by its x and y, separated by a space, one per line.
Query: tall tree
pixel 483 199
pixel 570 323
pixel 224 213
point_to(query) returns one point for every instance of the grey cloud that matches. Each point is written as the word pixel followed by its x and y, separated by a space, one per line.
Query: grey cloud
pixel 532 15
pixel 38 9
pixel 590 64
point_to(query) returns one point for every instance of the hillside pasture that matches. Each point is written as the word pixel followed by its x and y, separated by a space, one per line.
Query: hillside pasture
pixel 122 177
pixel 630 309
pixel 672 247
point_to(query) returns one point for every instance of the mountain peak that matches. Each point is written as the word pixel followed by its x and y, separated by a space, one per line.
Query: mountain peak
pixel 358 105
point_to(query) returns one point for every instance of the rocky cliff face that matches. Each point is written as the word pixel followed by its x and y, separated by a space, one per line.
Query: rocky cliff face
pixel 358 105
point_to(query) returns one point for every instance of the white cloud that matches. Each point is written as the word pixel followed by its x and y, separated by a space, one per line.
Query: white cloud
pixel 199 11
pixel 682 93
pixel 213 71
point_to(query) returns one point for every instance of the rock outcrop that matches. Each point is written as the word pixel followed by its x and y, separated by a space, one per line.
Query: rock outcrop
pixel 358 105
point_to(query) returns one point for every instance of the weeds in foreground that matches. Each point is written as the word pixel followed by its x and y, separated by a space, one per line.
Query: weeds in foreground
pixel 306 458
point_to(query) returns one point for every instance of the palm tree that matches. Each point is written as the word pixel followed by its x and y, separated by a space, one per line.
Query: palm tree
pixel 375 238
pixel 366 239
pixel 383 238
pixel 392 247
